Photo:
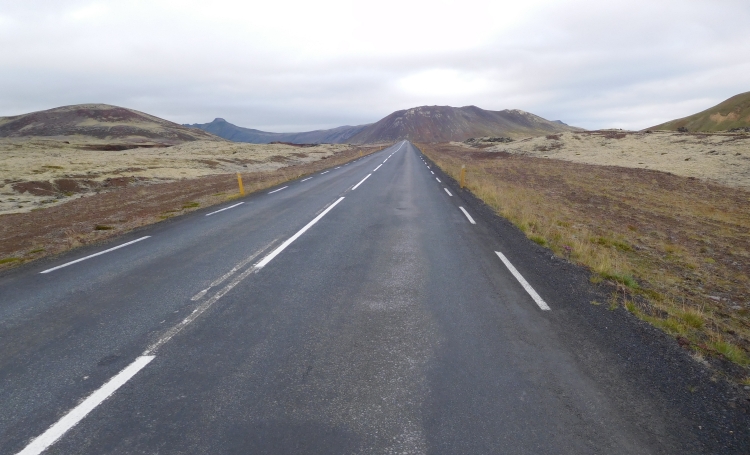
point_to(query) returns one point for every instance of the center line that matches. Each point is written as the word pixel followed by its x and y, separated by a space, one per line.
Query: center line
pixel 471 220
pixel 291 239
pixel 97 254
pixel 326 172
pixel 449 193
pixel 271 192
pixel 377 168
pixel 75 415
pixel 305 179
pixel 355 186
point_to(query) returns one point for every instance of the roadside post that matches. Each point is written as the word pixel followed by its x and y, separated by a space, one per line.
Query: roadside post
pixel 463 175
pixel 239 181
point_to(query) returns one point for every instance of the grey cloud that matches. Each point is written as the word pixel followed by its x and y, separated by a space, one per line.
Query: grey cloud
pixel 592 64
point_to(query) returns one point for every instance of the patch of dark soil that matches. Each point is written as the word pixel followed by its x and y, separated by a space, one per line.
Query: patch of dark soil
pixel 118 182
pixel 210 163
pixel 278 159
pixel 68 185
pixel 294 145
pixel 119 147
pixel 36 187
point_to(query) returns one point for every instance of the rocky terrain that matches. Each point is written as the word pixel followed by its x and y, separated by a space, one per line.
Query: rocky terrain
pixel 39 172
pixel 720 157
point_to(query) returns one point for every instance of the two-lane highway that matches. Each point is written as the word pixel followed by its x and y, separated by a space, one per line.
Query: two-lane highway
pixel 362 309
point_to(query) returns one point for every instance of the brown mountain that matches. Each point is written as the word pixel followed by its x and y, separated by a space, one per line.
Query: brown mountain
pixel 445 123
pixel 727 115
pixel 100 121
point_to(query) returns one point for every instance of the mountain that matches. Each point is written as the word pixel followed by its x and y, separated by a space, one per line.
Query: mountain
pixel 732 113
pixel 100 121
pixel 445 123
pixel 222 128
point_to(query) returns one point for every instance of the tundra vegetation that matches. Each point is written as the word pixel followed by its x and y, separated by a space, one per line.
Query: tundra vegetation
pixel 674 249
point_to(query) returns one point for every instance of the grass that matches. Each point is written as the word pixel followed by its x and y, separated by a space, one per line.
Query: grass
pixel 9 260
pixel 102 227
pixel 191 205
pixel 668 244
pixel 731 352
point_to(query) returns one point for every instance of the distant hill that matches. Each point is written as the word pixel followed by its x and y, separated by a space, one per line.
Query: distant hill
pixel 445 123
pixel 222 128
pixel 99 121
pixel 732 113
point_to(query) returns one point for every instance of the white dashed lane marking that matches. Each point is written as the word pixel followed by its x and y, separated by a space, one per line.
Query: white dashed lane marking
pixel 539 301
pixel 471 220
pixel 107 251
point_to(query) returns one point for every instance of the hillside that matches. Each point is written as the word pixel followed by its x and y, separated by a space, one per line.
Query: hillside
pixel 445 124
pixel 222 128
pixel 730 114
pixel 99 122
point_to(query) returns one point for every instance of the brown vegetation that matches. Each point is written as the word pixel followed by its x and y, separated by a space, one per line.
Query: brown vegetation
pixel 675 249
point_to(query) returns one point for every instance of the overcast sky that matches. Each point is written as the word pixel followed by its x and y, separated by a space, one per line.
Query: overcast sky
pixel 282 65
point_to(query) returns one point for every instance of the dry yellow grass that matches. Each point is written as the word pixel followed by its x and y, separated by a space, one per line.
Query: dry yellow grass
pixel 676 249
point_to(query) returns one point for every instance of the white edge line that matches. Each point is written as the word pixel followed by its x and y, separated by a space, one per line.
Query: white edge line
pixel 438 179
pixel 326 172
pixel 291 239
pixel 449 193
pixel 75 415
pixel 95 254
pixel 539 301
pixel 432 173
pixel 305 179
pixel 471 220
pixel 225 208
pixel 271 192
pixel 361 181
pixel 337 167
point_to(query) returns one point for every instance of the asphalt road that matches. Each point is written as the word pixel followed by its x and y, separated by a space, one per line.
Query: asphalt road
pixel 333 315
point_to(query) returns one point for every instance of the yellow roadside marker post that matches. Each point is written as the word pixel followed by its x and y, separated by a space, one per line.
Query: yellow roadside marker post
pixel 463 175
pixel 242 188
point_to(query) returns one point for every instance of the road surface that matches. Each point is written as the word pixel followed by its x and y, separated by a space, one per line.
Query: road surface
pixel 364 309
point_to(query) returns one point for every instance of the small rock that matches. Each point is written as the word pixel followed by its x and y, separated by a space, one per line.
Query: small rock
pixel 713 297
pixel 747 387
pixel 736 307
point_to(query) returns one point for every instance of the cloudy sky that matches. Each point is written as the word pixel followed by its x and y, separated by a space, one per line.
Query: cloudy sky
pixel 284 65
